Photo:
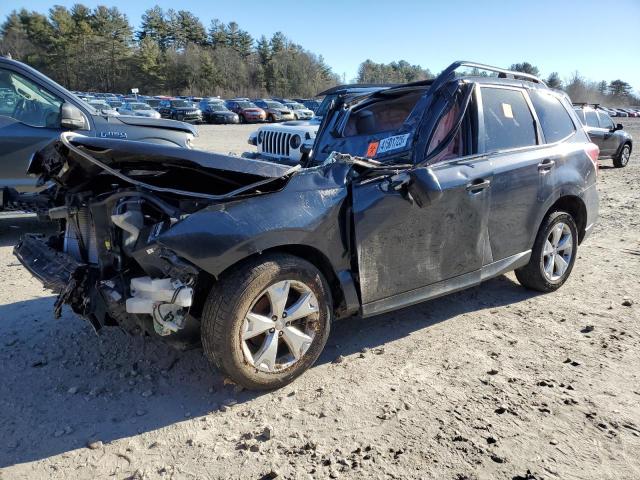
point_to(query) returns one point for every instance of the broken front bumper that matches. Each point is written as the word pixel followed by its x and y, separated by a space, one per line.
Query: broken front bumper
pixel 56 270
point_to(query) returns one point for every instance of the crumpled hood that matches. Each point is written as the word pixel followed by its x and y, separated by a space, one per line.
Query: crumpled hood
pixel 113 152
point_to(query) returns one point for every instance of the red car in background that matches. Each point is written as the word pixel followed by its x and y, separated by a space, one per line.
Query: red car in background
pixel 247 111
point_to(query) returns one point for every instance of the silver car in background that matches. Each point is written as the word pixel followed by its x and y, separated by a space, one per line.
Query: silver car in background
pixel 138 109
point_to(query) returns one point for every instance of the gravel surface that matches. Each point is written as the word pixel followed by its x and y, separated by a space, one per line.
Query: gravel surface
pixel 495 382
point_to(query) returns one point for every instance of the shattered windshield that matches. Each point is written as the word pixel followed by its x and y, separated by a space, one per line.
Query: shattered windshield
pixel 382 115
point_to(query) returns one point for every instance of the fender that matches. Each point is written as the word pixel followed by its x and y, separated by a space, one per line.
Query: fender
pixel 309 211
pixel 564 190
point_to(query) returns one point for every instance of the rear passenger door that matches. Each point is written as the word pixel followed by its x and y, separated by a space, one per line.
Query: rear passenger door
pixel 522 174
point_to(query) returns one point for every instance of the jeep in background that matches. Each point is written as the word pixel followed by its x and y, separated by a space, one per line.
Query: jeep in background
pixel 612 140
pixel 410 193
pixel 39 110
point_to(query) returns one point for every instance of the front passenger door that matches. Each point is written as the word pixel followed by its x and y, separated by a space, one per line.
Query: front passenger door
pixel 402 246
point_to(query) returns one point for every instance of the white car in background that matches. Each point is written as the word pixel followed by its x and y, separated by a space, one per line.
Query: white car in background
pixel 138 109
pixel 300 112
pixel 103 107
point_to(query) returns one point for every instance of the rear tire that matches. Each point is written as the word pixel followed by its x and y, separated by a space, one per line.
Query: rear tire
pixel 242 303
pixel 552 258
pixel 623 159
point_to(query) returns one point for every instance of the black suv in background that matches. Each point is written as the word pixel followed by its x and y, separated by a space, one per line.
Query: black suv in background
pixel 215 111
pixel 411 192
pixel 34 110
pixel 182 110
pixel 612 140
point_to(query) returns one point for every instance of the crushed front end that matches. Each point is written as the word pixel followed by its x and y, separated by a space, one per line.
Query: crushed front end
pixel 112 201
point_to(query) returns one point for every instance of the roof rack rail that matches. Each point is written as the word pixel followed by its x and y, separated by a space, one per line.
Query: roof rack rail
pixel 449 73
pixel 586 104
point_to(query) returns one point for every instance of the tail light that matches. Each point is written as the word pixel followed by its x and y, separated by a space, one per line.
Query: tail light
pixel 593 151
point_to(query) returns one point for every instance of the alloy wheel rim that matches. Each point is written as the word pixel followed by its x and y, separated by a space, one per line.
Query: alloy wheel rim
pixel 280 326
pixel 625 155
pixel 557 252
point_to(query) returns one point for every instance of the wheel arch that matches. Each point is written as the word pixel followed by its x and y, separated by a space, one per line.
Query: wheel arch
pixel 341 284
pixel 576 207
pixel 626 142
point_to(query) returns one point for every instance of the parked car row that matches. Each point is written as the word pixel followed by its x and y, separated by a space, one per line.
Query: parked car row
pixel 620 112
pixel 204 109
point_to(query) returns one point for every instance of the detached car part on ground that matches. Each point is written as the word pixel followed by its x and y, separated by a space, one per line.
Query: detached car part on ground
pixel 444 184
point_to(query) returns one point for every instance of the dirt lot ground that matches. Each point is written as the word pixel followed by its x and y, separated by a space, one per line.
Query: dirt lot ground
pixel 496 382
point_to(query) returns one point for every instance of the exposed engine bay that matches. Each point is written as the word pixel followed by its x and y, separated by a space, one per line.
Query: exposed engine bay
pixel 112 205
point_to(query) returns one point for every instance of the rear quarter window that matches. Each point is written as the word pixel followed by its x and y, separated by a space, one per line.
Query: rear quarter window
pixel 508 122
pixel 554 119
pixel 592 118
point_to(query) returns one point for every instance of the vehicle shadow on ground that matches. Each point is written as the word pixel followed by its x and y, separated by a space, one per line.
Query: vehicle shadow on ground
pixel 63 385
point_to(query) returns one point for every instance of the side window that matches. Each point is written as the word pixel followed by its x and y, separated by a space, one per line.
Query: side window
pixel 592 118
pixel 555 121
pixel 27 102
pixel 605 120
pixel 508 122
pixel 580 114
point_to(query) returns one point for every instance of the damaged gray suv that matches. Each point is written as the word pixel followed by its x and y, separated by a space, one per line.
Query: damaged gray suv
pixel 410 193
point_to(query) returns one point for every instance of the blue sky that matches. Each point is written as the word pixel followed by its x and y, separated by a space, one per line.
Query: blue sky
pixel 597 38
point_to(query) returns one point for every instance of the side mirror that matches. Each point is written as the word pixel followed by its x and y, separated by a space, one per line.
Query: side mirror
pixel 423 186
pixel 72 118
pixel 619 126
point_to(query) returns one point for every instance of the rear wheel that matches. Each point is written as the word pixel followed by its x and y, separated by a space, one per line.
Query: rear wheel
pixel 242 119
pixel 267 321
pixel 553 254
pixel 623 158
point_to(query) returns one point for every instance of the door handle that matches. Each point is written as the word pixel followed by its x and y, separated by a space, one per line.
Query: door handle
pixel 477 185
pixel 546 165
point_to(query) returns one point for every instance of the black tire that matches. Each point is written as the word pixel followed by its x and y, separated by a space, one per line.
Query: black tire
pixel 622 159
pixel 532 275
pixel 229 302
pixel 242 119
pixel 271 119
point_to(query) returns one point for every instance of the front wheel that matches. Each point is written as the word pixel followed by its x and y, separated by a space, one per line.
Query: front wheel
pixel 267 321
pixel 553 254
pixel 622 159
